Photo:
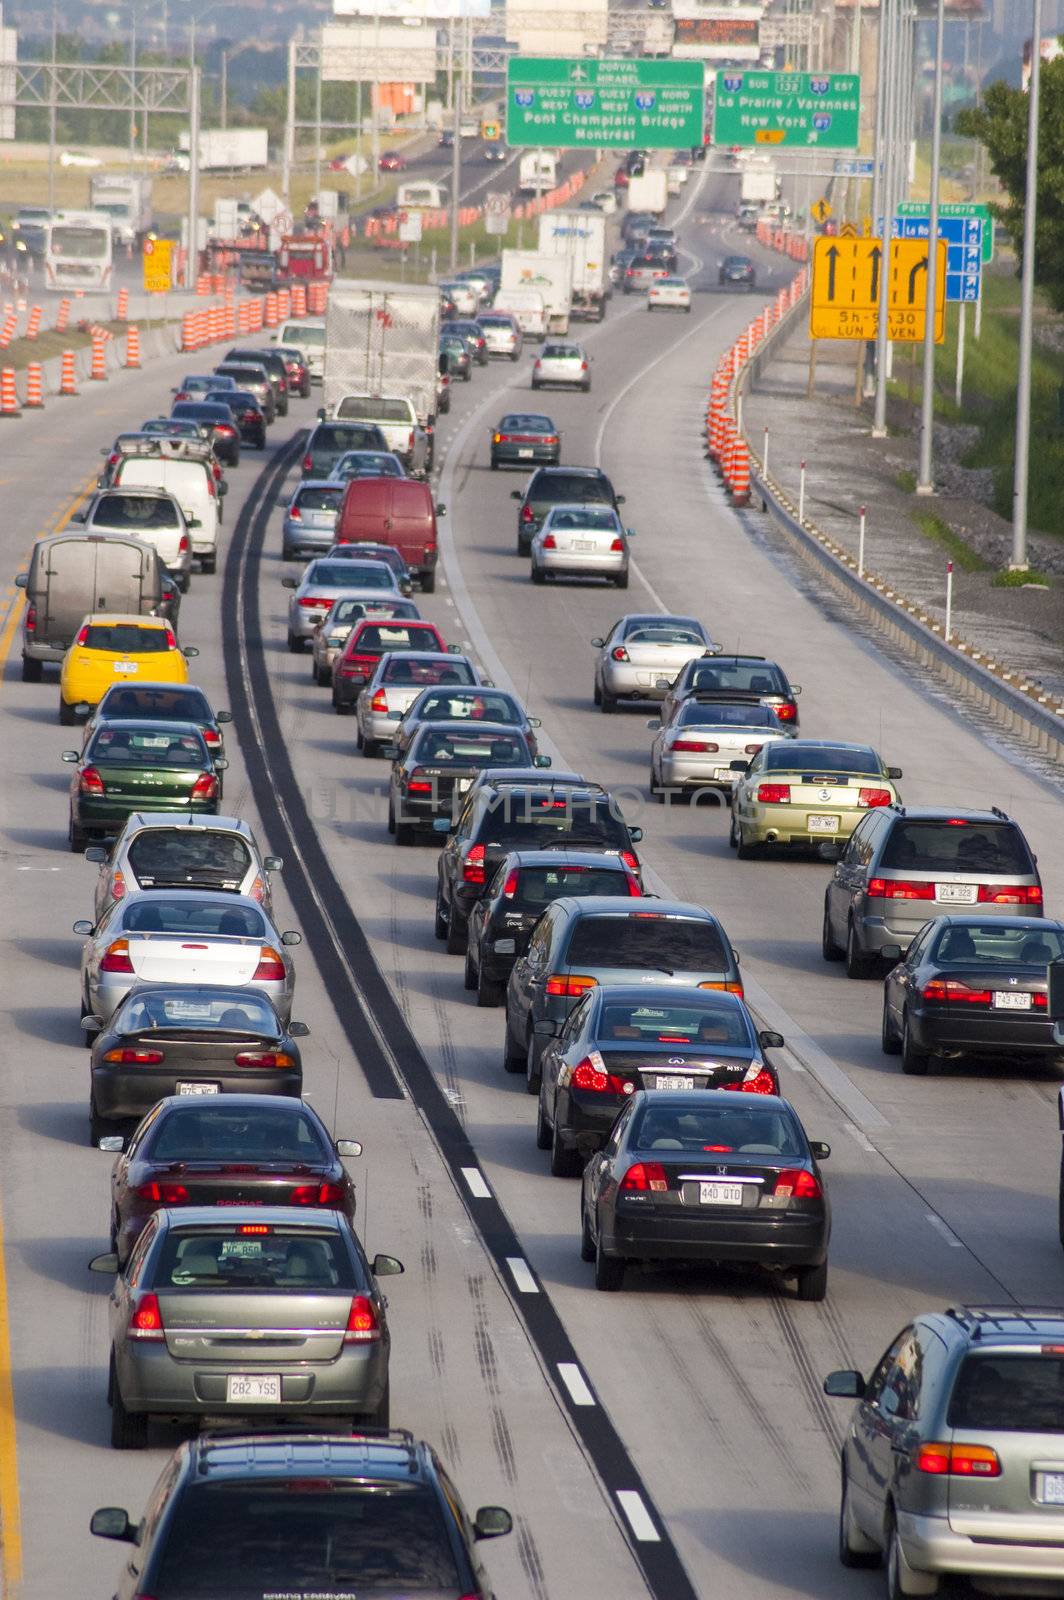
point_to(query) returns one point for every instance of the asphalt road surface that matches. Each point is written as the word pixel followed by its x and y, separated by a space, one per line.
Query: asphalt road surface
pixel 688 1425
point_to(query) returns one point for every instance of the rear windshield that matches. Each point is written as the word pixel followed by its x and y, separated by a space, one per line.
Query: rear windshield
pixel 521 422
pixel 379 637
pixel 557 488
pixel 200 1011
pixel 476 703
pixel 470 748
pixel 161 857
pixel 667 631
pixel 367 550
pixel 506 323
pixel 724 715
pixel 243 1133
pixel 561 352
pixel 126 639
pixel 203 917
pixel 538 886
pixel 522 821
pixel 318 499
pixel 246 374
pixel 996 944
pixel 1009 1393
pixel 667 944
pixel 974 847
pixel 334 436
pixel 350 575
pixel 124 747
pixel 757 677
pixel 171 427
pixel 349 611
pixel 368 464
pixel 706 1021
pixel 592 517
pixel 374 410
pixel 303 336
pixel 277 1258
pixel 342 1539
pixel 744 1129
pixel 823 758
pixel 136 511
pixel 234 397
pixel 403 670
pixel 177 705
pixel 203 411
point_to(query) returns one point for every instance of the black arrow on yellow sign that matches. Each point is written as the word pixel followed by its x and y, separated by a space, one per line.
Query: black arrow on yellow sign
pixel 833 260
pixel 921 266
pixel 875 257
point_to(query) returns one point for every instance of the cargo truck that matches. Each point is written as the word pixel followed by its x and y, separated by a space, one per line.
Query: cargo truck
pixel 381 362
pixel 758 186
pixel 538 172
pixel 648 191
pixel 551 275
pixel 579 237
pixel 230 149
pixel 126 198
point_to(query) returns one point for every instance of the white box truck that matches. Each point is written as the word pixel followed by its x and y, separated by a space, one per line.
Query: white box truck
pixel 382 360
pixel 649 191
pixel 551 275
pixel 538 172
pixel 126 198
pixel 230 149
pixel 758 186
pixel 579 237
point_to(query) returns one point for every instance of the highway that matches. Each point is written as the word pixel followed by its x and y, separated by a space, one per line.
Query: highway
pixel 704 1389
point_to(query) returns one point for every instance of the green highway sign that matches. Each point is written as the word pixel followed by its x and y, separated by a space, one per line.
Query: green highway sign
pixel 586 104
pixel 920 208
pixel 805 109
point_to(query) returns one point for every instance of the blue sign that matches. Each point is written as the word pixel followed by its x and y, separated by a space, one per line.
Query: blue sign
pixel 855 167
pixel 964 250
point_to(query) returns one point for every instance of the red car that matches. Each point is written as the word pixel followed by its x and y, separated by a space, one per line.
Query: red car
pixel 390 162
pixel 370 639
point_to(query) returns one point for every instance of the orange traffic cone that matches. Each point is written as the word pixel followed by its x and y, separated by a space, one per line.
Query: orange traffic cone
pixel 299 300
pixel 8 394
pixel 271 309
pixel 34 386
pixel 7 332
pixel 62 316
pixel 133 346
pixel 98 371
pixel 188 332
pixel 33 326
pixel 67 384
pixel 123 304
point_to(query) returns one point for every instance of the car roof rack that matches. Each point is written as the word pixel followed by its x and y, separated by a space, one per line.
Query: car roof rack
pixel 287 1442
pixel 976 1318
pixel 997 812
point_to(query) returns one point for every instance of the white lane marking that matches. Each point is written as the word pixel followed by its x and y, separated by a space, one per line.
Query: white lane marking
pixel 639 1518
pixel 946 1232
pixel 522 1274
pixel 573 1379
pixel 860 1138
pixel 477 1186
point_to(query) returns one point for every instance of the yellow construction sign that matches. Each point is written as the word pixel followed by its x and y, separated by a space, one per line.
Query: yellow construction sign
pixel 844 303
pixel 158 268
pixel 821 210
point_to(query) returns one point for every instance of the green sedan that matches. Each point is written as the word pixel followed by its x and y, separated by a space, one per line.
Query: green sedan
pixel 139 765
pixel 806 792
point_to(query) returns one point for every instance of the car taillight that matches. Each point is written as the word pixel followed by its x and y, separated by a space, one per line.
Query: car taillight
pixel 90 782
pixel 617 544
pixel 691 745
pixel 787 712
pixel 645 1176
pixel 205 787
pixel 552 438
pixel 128 1057
pixel 258 889
pixel 1019 894
pixel 774 794
pixel 509 888
pixel 418 783
pixel 182 395
pixel 362 1324
pixel 270 968
pixel 146 1319
pixel 549 542
pixel 263 1058
pixel 410 441
pixel 315 602
pixel 751 749
pixel 379 701
pixel 500 438
pixel 762 1082
pixel 82 635
pixel 225 429
pixel 211 490
pixel 211 737
pixel 571 986
pixel 583 366
pixel 294 514
pixel 473 864
pixel 874 797
pixel 619 653
pixel 591 1076
pixel 118 885
pixel 526 514
pixel 31 619
pixel 631 862
pixel 898 889
pixel 182 543
pixel 797 1184
pixel 317 1194
pixel 728 988
pixel 163 1194
pixel 117 957
pixel 308 463
pixel 957 1460
pixel 945 991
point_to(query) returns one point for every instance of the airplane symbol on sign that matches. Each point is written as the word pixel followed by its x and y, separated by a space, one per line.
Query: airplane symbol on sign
pixel 578 74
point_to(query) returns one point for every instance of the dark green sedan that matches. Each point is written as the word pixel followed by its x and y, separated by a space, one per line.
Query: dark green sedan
pixel 135 765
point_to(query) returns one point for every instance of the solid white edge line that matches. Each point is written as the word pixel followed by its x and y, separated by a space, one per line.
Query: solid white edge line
pixel 477 1186
pixel 947 1232
pixel 522 1274
pixel 574 1381
pixel 639 1518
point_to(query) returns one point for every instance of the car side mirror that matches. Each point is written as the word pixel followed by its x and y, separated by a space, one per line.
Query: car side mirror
pixel 796 688
pixel 291 937
pixel 21 580
pixel 441 510
pixel 112 1144
pixel 80 516
pixel 598 644
pixel 273 863
pixel 635 834
pixel 82 928
pixel 91 1024
pixel 221 764
pixel 542 761
pixel 69 755
pixel 111 1522
pixel 389 751
pixel 653 723
pixel 844 1385
pixel 190 652
pixel 223 716
pixel 895 772
pixel 517 494
pixel 193 522
pixel 299 1030
pixel 441 825
pixel 830 850
pixel 107 1264
pixel 768 1040
pixel 662 683
pixel 891 952
pixel 97 853
pixel 387 1267
pixel 738 766
pixel 492 1522
pixel 618 499
pixel 546 1029
pixel 820 1150
pixel 349 1147
pixel 289 583
pixel 629 533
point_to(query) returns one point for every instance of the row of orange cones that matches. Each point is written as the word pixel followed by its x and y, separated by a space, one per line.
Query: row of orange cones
pixel 34 400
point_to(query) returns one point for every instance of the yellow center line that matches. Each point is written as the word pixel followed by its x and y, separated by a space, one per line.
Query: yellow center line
pixel 14 616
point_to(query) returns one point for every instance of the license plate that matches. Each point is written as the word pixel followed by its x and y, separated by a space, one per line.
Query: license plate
pixel 249 1388
pixel 823 824
pixel 526 452
pixel 505 947
pixel 720 1194
pixel 1052 1489
pixel 961 894
pixel 1010 1000
pixel 723 772
pixel 584 544
pixel 463 784
pixel 199 1088
pixel 126 666
pixel 673 1083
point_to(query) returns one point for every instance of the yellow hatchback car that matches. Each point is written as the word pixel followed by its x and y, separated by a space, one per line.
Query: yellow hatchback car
pixel 117 648
pixel 806 792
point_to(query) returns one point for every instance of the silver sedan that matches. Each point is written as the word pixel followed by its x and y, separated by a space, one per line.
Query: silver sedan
pixel 325 581
pixel 642 649
pixel 184 936
pixel 310 518
pixel 581 541
pixel 696 749
pixel 396 683
pixel 566 365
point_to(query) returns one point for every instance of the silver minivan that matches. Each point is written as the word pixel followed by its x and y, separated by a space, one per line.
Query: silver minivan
pixel 73 574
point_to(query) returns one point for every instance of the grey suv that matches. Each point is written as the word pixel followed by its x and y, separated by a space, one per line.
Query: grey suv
pixel 905 865
pixel 953 1462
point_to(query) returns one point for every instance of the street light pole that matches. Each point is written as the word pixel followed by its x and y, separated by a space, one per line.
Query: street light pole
pixel 925 483
pixel 132 88
pixel 52 115
pixel 1023 396
pixel 192 258
pixel 887 155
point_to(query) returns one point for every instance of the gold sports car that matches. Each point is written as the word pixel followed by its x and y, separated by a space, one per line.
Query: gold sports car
pixel 807 792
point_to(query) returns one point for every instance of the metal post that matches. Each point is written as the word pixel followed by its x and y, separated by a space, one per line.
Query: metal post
pixel 289 124
pixel 801 494
pixel 51 116
pixel 855 39
pixel 764 456
pixel 860 542
pixel 192 261
pixel 949 600
pixel 925 483
pixel 958 387
pixel 317 116
pixel 979 309
pixel 1023 395
pixel 456 171
pixel 374 107
pixel 450 64
pixel 888 21
pixel 132 88
pixel 225 88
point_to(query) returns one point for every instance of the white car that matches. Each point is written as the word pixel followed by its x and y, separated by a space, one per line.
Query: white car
pixel 77 158
pixel 669 294
pixel 696 749
pixel 325 581
pixel 606 201
pixel 564 365
pixel 151 515
pixel 583 541
pixel 643 652
pixel 464 296
pixel 398 680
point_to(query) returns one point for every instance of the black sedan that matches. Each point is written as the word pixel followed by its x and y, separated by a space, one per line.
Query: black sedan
pixel 972 985
pixel 242 1149
pixel 622 1038
pixel 437 768
pixel 247 413
pixel 169 1039
pixel 523 437
pixel 218 422
pixel 736 270
pixel 709 1177
pixel 455 702
pixel 501 921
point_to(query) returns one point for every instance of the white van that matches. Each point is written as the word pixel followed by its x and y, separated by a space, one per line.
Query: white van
pixel 151 515
pixel 193 487
pixel 421 196
pixel 527 307
pixel 308 337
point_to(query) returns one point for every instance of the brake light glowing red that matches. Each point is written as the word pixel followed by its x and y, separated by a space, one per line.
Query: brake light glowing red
pixel 762 1083
pixel 617 544
pixel 527 514
pixel 270 968
pixel 90 782
pixel 83 635
pixel 947 991
pixel 146 1319
pixel 798 1184
pixel 294 514
pixel 317 1194
pixel 645 1176
pixel 308 463
pixel 212 737
pixel 631 862
pixel 569 986
pixel 205 787
pixel 774 794
pixel 418 783
pixel 362 1324
pixel 473 864
pixel 117 957
pixel 129 1057
pixel 379 701
pixel 549 542
pixel 619 653
pixel 31 619
pixel 690 746
pixel 593 1079
pixel 163 1194
pixel 182 543
pixel 509 888
pixel 263 1058
pixel 898 889
pixel 1020 894
pixel 787 712
pixel 874 797
pixel 958 1460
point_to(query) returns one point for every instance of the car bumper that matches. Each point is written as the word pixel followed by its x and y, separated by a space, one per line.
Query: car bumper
pixel 790 825
pixel 657 301
pixel 629 682
pixel 989 1033
pixel 129 1093
pixel 782 1242
pixel 379 725
pixel 930 1545
pixel 526 454
pixel 154 1381
pixel 694 772
pixel 902 922
pixel 608 564
pixel 252 432
pixel 510 348
pixel 302 621
pixel 560 380
pixel 298 540
pixel 109 989
pixel 107 816
pixel 582 1122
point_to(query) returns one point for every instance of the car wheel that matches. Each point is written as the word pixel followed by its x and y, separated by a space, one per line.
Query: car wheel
pixel 524 546
pixel 439 926
pixel 536 575
pixel 916 1063
pixel 656 791
pixel 494 464
pixel 322 676
pixel 587 1243
pixel 470 977
pixel 513 1059
pixel 903 1580
pixel 75 837
pixel 858 965
pixel 208 565
pixel 369 748
pixel 535 385
pixel 855 1549
pixel 295 643
pixel 129 1429
pixel 813 1282
pixel 586 388
pixel 544 1132
pixel 98 1127
pixel 828 948
pixel 428 582
pixel 733 833
pixel 67 714
pixel 609 1270
pixel 457 933
pixel 341 708
pixel 563 1163
pixel 533 1066
pixel 622 580
pixel 404 834
pixel 745 852
pixel 31 670
pixel 381 1417
pixel 596 693
pixel 888 1039
pixel 608 702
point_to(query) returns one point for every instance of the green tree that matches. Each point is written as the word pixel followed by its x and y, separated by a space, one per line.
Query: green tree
pixel 1000 124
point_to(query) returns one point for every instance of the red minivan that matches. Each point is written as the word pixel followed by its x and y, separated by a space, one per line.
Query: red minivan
pixel 396 511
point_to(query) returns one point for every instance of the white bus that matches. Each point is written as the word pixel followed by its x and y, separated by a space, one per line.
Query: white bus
pixel 79 251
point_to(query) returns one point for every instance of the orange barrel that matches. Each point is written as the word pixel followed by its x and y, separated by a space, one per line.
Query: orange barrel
pixel 229 320
pixel 740 473
pixel 299 300
pixel 123 305
pixel 62 316
pixel 67 384
pixel 8 394
pixel 188 332
pixel 214 324
pixel 133 346
pixel 203 283
pixel 243 316
pixel 271 308
pixel 98 371
pixel 34 386
pixel 33 326
pixel 284 304
pixel 10 327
